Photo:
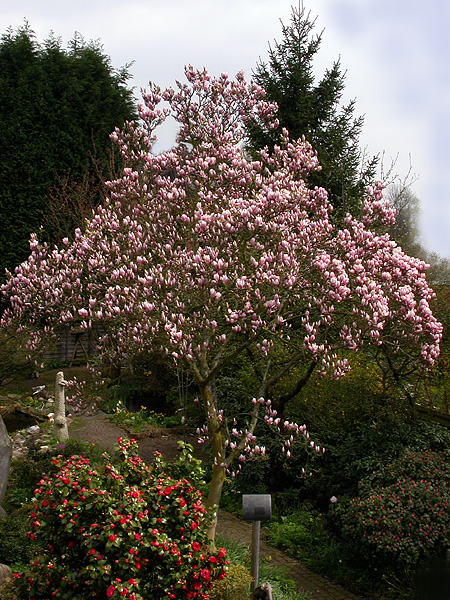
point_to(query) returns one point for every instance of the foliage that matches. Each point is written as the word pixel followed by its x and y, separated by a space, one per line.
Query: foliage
pixel 57 109
pixel 131 531
pixel 15 547
pixel 402 513
pixel 209 257
pixel 14 358
pixel 298 532
pixel 362 422
pixel 310 109
pixel 137 421
pixel 308 535
pixel 236 584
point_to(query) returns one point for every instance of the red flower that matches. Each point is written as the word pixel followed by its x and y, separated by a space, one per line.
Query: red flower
pixel 206 574
pixel 110 591
pixel 196 546
pixel 112 538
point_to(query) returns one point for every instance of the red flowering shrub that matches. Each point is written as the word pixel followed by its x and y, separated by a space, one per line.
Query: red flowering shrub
pixel 131 532
pixel 403 511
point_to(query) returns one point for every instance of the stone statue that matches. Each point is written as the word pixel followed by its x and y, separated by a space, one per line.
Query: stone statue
pixel 5 457
pixel 60 421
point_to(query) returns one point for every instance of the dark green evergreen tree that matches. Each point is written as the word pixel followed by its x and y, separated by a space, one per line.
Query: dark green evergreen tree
pixel 314 110
pixel 57 109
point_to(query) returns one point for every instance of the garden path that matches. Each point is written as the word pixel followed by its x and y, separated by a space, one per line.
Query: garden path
pixel 98 430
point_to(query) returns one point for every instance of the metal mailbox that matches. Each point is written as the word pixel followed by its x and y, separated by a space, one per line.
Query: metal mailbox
pixel 257 507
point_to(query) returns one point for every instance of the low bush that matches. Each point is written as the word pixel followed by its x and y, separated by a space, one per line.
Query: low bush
pixel 235 586
pixel 15 546
pixel 402 514
pixel 130 531
pixel 298 533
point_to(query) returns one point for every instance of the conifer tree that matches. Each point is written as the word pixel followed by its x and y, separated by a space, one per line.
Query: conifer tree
pixel 313 110
pixel 58 108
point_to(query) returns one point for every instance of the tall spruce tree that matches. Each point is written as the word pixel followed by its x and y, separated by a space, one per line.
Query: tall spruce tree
pixel 57 109
pixel 314 110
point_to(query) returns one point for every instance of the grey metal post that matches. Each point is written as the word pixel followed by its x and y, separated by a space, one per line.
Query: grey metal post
pixel 256 547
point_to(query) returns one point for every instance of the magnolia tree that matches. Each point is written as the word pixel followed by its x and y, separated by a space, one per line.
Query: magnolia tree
pixel 206 255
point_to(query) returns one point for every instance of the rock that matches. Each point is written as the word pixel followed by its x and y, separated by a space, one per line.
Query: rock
pixel 263 592
pixel 33 429
pixel 5 457
pixel 5 574
pixel 20 453
pixel 18 439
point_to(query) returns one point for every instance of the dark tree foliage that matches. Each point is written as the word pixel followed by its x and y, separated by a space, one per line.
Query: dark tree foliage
pixel 314 111
pixel 57 109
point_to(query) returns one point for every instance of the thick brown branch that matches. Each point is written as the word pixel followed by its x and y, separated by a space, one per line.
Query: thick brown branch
pixel 283 400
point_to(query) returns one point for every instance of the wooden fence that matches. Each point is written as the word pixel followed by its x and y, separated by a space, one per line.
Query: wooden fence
pixel 73 344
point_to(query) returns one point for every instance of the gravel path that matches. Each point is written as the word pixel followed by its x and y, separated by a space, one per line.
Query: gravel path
pixel 98 430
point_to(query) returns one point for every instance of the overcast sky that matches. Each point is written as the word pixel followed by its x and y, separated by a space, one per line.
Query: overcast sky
pixel 395 52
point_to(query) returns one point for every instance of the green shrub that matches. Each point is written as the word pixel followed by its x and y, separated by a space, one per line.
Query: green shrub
pixel 235 586
pixel 15 547
pixel 298 533
pixel 132 531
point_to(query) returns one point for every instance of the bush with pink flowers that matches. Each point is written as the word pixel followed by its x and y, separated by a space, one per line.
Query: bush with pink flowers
pixel 131 531
pixel 403 512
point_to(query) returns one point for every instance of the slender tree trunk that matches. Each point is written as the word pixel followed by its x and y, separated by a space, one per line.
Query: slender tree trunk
pixel 213 500
pixel 218 451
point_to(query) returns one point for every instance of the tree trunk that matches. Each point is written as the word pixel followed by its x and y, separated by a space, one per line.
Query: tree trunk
pixel 218 451
pixel 213 500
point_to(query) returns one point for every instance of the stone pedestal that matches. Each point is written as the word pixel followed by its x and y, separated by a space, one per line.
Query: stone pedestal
pixel 5 457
